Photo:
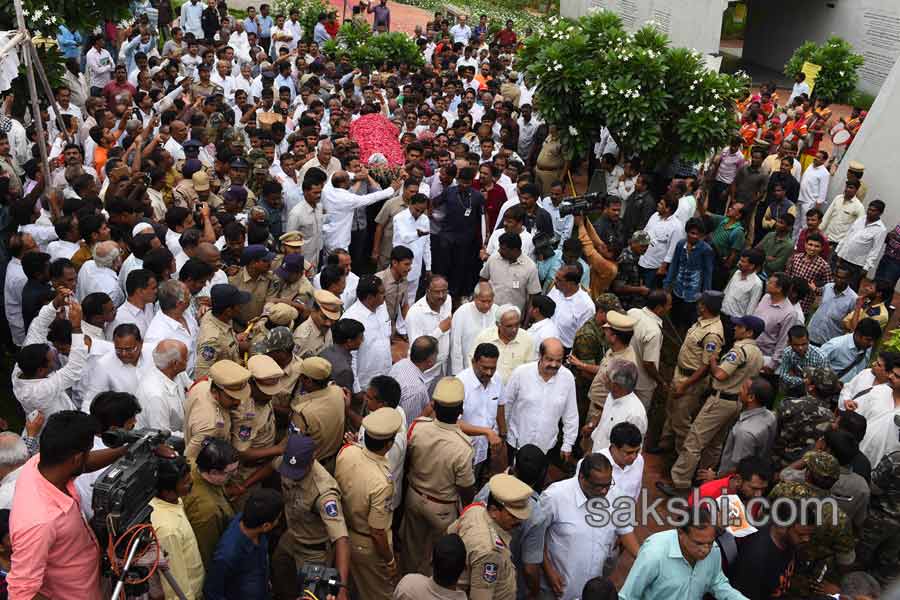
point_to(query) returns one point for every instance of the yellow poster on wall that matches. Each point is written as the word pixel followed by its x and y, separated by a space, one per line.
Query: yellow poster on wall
pixel 811 71
pixel 740 12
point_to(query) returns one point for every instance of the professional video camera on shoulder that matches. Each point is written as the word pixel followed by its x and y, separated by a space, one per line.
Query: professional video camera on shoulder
pixel 580 205
pixel 318 581
pixel 122 493
pixel 545 245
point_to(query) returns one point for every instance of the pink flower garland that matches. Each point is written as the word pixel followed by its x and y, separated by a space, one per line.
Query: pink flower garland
pixel 375 133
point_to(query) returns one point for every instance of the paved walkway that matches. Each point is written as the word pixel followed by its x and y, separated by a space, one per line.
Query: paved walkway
pixel 403 17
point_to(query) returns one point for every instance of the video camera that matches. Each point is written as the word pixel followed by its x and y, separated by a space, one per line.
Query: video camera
pixel 319 580
pixel 580 205
pixel 122 493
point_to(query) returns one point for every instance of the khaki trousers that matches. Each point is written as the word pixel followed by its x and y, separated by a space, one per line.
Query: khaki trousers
pixel 423 523
pixel 679 414
pixel 368 571
pixel 704 441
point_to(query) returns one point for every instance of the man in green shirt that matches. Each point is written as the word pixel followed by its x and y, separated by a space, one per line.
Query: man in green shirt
pixel 727 238
pixel 777 246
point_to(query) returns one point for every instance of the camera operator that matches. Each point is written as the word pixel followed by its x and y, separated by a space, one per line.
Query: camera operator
pixel 600 259
pixel 111 410
pixel 55 553
pixel 173 530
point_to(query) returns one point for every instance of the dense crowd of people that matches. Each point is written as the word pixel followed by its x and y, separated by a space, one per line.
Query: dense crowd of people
pixel 433 374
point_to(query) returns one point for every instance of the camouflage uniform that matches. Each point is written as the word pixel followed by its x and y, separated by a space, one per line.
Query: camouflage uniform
pixel 831 544
pixel 878 550
pixel 802 421
pixel 590 346
pixel 629 273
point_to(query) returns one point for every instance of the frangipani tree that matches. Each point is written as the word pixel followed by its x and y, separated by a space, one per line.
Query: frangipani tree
pixel 657 101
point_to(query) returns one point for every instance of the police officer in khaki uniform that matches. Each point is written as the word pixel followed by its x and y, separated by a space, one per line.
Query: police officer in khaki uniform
pixel 704 441
pixel 255 279
pixel 275 314
pixel 279 345
pixel 253 422
pixel 487 531
pixel 208 402
pixel 217 340
pixel 703 341
pixel 290 284
pixel 319 411
pixel 364 475
pixel 448 563
pixel 439 473
pixel 314 334
pixel 316 530
pixel 617 329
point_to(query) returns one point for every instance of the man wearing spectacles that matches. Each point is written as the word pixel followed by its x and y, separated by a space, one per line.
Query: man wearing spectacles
pixel 115 371
pixel 579 537
pixel 679 563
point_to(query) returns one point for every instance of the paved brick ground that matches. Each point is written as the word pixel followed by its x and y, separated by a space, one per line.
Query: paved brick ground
pixel 403 17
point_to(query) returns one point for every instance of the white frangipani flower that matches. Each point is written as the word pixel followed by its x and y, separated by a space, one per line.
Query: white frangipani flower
pixel 572 131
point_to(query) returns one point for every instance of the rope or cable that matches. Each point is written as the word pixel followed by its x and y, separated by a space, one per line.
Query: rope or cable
pixel 135 532
pixel 309 594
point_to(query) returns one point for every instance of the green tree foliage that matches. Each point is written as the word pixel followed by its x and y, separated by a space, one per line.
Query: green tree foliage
pixel 657 101
pixel 838 78
pixel 355 39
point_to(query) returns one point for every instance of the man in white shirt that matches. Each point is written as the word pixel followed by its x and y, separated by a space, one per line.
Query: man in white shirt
pixel 140 307
pixel 813 190
pixel 842 213
pixel 624 452
pixel 574 306
pixel 99 64
pixel 622 405
pixel 374 356
pixel 174 321
pixel 307 217
pixel 483 417
pixel 431 316
pixel 190 18
pixel 461 32
pixel 538 395
pixel 340 258
pixel 411 228
pixel 864 243
pixel 19 245
pixel 117 371
pixel 665 233
pixel 745 288
pixel 542 325
pixel 338 203
pixel 324 160
pixel 562 226
pixel 101 273
pixel 468 321
pixel 163 385
pixel 578 542
pixel 34 384
pixel 800 87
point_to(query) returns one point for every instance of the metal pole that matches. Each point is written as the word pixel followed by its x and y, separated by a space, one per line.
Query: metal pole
pixel 32 91
pixel 39 69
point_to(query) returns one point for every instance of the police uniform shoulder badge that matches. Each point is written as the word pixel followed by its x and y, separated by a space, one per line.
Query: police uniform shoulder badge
pixel 489 572
pixel 244 432
pixel 208 353
pixel 731 357
pixel 710 346
pixel 331 508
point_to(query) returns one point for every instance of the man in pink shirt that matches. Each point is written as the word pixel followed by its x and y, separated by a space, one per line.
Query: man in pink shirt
pixel 55 552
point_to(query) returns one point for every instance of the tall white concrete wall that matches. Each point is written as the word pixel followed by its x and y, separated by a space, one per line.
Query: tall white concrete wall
pixel 775 28
pixel 689 23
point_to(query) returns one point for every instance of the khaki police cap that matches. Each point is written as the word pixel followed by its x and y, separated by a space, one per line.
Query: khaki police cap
pixel 619 322
pixel 231 378
pixel 201 181
pixel 449 391
pixel 280 313
pixel 512 493
pixel 856 166
pixel 328 303
pixel 293 239
pixel 316 368
pixel 382 424
pixel 266 373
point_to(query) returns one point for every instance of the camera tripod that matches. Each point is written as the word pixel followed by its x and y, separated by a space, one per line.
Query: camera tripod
pixel 133 572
